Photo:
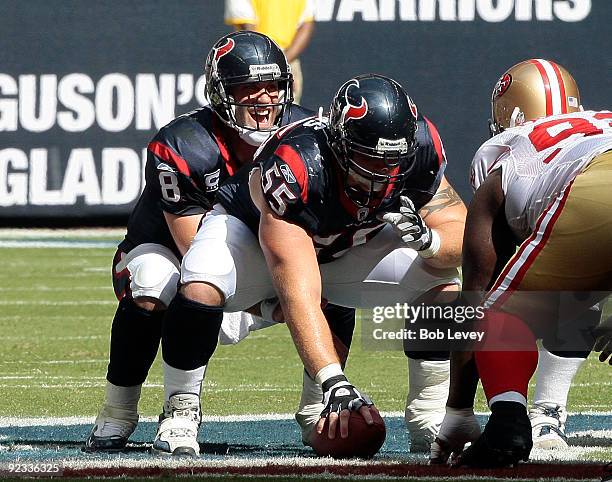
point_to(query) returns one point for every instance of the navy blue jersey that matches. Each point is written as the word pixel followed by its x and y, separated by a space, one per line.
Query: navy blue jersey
pixel 301 184
pixel 186 162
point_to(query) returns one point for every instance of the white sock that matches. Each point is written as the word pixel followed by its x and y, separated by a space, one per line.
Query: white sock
pixel 123 397
pixel 428 385
pixel 510 396
pixel 182 381
pixel 554 377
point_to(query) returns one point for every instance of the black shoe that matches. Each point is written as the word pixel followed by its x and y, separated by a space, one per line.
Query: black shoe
pixel 111 443
pixel 505 441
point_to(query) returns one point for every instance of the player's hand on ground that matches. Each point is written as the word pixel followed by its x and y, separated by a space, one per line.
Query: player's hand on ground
pixel 339 399
pixel 409 225
pixel 603 340
pixel 459 427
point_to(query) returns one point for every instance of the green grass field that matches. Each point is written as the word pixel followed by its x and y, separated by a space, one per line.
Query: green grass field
pixel 57 307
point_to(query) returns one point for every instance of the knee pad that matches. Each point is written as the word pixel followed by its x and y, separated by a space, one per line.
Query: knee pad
pixel 210 261
pixel 153 272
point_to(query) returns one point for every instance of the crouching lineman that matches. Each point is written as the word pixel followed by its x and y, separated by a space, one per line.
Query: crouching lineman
pixel 331 210
pixel 545 185
pixel 249 88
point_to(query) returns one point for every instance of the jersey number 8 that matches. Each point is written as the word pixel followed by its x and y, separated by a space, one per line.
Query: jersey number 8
pixel 169 186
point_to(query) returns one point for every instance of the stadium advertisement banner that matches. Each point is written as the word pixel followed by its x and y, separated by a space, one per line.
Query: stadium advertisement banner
pixel 84 87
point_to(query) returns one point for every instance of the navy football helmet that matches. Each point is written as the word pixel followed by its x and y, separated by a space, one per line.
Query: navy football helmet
pixel 241 58
pixel 373 135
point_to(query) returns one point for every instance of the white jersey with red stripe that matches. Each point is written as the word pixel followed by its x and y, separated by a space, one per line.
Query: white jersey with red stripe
pixel 539 159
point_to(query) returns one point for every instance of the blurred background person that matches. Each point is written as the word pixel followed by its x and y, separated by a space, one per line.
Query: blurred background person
pixel 290 23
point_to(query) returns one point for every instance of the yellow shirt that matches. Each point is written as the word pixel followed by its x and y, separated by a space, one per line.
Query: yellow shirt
pixel 278 19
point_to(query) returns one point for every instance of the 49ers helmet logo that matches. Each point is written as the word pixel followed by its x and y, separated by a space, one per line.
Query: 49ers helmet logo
pixel 502 85
pixel 351 111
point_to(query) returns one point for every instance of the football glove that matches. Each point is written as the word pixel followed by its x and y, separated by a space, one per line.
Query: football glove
pixel 409 225
pixel 603 340
pixel 339 394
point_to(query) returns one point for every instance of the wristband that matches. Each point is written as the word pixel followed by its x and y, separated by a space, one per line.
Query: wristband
pixel 434 246
pixel 325 373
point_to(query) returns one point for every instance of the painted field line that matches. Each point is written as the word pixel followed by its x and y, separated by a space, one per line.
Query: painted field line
pixel 55 338
pixel 80 420
pixel 21 233
pixel 56 288
pixel 56 303
pixel 51 362
pixel 76 244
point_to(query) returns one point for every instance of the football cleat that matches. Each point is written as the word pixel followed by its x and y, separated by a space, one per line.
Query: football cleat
pixel 548 426
pixel 111 430
pixel 505 441
pixel 177 433
pixel 426 402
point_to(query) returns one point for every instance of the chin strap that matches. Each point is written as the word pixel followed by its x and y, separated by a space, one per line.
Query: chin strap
pixel 254 138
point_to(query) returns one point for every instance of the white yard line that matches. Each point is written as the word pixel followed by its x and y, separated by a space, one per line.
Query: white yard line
pixel 21 233
pixel 76 244
pixel 56 421
pixel 57 303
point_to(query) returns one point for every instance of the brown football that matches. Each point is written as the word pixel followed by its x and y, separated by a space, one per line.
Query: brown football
pixel 363 440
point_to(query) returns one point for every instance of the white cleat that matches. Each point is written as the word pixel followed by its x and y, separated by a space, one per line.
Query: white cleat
pixel 177 433
pixel 111 430
pixel 548 426
pixel 426 401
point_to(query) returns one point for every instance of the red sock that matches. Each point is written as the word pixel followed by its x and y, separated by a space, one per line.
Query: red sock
pixel 508 358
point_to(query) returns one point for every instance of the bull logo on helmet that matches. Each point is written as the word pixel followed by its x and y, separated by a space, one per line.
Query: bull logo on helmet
pixel 413 107
pixel 351 111
pixel 224 49
pixel 502 85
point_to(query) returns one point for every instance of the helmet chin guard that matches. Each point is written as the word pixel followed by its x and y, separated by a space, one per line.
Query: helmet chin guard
pixel 254 138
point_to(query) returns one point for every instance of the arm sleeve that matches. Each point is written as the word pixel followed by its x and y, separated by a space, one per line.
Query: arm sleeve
pixel 307 13
pixel 238 12
pixel 429 165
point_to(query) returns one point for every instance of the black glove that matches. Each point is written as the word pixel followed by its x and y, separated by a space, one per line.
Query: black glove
pixel 339 394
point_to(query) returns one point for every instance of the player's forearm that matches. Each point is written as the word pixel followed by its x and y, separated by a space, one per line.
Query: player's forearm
pixel 300 41
pixel 451 241
pixel 463 380
pixel 304 317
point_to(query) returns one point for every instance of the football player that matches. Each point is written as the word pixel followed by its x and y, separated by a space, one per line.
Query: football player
pixel 355 210
pixel 542 185
pixel 522 94
pixel 249 87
